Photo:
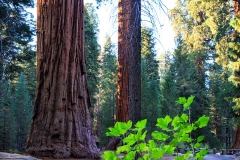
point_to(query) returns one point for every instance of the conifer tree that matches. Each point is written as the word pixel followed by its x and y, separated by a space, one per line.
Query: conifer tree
pixel 23 112
pixel 150 88
pixel 108 89
pixel 92 50
pixel 7 118
pixel 16 31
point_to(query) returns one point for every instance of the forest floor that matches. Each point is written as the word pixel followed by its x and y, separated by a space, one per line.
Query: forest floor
pixel 7 156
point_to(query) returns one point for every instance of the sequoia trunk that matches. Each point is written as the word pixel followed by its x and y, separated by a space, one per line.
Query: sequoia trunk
pixel 135 62
pixel 122 113
pixel 129 60
pixel 61 125
pixel 236 143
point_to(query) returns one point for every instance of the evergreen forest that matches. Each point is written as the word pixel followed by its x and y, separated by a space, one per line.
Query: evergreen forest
pixel 205 63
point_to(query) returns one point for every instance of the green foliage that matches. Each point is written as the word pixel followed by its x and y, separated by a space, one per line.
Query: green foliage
pixel 15 115
pixel 23 112
pixel 91 50
pixel 135 145
pixel 7 117
pixel 16 31
pixel 108 89
pixel 150 83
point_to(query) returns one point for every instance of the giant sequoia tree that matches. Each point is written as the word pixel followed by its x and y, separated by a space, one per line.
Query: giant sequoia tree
pixel 234 65
pixel 129 61
pixel 61 125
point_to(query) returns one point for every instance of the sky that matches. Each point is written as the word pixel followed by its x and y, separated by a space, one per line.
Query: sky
pixel 106 17
pixel 165 35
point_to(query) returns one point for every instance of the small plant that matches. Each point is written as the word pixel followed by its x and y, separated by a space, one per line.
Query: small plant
pixel 135 145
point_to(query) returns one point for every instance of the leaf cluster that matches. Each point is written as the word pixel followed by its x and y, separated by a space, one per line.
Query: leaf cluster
pixel 135 145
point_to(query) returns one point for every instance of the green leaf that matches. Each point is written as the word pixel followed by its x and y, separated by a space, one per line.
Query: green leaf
pixel 113 132
pixel 141 124
pixel 143 136
pixel 201 154
pixel 151 144
pixel 120 128
pixel 185 138
pixel 163 122
pixel 157 153
pixel 202 121
pixel 200 139
pixel 109 155
pixel 197 145
pixel 176 123
pixel 142 147
pixel 146 156
pixel 130 155
pixel 180 158
pixel 190 100
pixel 160 136
pixel 169 149
pixel 130 139
pixel 184 118
pixel 124 148
pixel 181 100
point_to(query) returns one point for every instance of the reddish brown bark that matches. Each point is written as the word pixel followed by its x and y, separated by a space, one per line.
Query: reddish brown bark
pixel 129 60
pixel 236 7
pixel 122 111
pixel 61 125
pixel 236 144
pixel 135 62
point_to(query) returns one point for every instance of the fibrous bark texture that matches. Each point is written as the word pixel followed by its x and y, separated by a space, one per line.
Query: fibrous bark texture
pixel 61 125
pixel 122 113
pixel 236 144
pixel 236 7
pixel 135 62
pixel 129 60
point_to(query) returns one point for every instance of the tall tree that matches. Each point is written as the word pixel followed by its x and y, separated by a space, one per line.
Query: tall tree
pixel 16 32
pixel 7 118
pixel 108 90
pixel 234 66
pixel 23 112
pixel 92 50
pixel 129 61
pixel 61 125
pixel 150 87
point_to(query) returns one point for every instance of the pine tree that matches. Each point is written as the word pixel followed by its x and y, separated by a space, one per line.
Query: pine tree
pixel 16 31
pixel 108 90
pixel 7 118
pixel 150 88
pixel 92 50
pixel 169 94
pixel 23 112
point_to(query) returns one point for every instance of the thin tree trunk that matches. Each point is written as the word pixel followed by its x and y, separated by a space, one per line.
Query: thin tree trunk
pixel 61 125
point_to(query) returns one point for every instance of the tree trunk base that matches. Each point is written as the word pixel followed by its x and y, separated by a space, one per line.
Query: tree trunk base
pixel 114 143
pixel 64 152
